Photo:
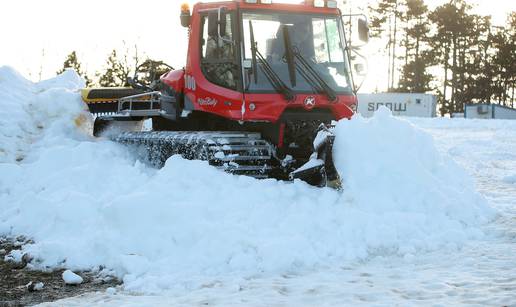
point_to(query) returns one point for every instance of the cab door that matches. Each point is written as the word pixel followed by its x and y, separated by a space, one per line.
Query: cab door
pixel 213 75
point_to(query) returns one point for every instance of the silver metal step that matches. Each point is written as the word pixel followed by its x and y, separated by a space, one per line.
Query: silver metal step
pixel 242 158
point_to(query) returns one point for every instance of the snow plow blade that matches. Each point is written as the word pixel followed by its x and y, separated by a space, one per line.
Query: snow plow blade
pixel 104 100
pixel 320 169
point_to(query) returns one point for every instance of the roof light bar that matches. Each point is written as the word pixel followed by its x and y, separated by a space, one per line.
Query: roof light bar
pixel 332 4
pixel 259 1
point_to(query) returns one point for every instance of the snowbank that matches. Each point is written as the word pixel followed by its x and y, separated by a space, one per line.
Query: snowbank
pixel 27 108
pixel 393 172
pixel 87 202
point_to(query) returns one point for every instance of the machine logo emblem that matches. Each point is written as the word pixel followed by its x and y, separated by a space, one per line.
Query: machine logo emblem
pixel 208 101
pixel 309 102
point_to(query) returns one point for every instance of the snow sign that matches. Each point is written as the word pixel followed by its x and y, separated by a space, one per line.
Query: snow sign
pixel 404 104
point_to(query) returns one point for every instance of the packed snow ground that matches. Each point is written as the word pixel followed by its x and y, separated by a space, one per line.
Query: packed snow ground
pixel 410 225
pixel 479 273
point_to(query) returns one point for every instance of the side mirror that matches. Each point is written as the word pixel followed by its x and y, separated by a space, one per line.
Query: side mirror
pixel 185 19
pixel 185 15
pixel 363 30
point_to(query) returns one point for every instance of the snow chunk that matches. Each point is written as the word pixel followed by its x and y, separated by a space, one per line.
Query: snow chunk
pixel 111 291
pixel 70 278
pixel 39 286
pixel 35 286
pixel 510 179
pixel 220 155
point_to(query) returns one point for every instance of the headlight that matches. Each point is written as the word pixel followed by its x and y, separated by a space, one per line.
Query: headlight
pixel 331 4
pixel 319 3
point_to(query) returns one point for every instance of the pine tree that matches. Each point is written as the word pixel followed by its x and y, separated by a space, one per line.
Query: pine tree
pixel 476 71
pixel 115 73
pixel 455 33
pixel 504 60
pixel 119 68
pixel 73 62
pixel 414 77
pixel 151 70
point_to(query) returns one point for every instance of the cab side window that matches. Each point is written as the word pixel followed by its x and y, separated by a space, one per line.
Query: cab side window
pixel 218 62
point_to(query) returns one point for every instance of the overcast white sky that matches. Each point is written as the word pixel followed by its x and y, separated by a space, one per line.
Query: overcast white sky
pixel 36 35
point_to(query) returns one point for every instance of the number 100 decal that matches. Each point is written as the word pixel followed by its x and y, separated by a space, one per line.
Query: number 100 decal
pixel 190 82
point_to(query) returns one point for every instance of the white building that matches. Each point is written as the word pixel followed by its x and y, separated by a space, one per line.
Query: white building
pixel 482 110
pixel 401 104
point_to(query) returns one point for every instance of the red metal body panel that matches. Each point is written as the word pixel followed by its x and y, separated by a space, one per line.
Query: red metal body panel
pixel 299 8
pixel 175 79
pixel 234 105
pixel 269 107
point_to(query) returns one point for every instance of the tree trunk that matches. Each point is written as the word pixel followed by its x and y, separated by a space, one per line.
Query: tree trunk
pixel 394 44
pixel 416 55
pixel 446 59
pixel 389 57
pixel 454 74
pixel 462 63
pixel 406 49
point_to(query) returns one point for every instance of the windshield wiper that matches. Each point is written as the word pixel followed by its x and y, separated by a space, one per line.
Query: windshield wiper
pixel 271 75
pixel 307 71
pixel 289 56
pixel 306 68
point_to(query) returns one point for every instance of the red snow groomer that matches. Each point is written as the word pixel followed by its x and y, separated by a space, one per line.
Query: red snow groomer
pixel 261 84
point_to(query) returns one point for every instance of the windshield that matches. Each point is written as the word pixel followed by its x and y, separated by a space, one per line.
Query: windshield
pixel 316 38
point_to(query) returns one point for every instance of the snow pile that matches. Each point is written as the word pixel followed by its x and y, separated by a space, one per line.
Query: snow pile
pixel 393 172
pixel 27 108
pixel 87 203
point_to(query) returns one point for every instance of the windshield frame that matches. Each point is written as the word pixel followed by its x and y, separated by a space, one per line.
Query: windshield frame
pixel 349 90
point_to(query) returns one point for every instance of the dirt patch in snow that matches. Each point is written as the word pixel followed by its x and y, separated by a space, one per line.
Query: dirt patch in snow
pixel 14 277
